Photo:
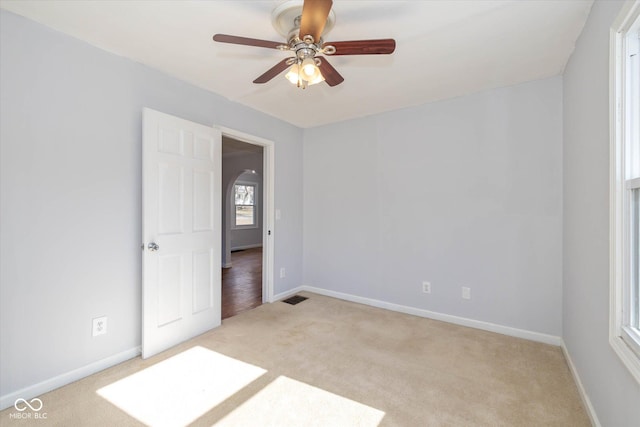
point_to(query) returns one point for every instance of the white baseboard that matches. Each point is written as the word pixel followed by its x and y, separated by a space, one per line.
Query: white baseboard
pixel 583 394
pixel 35 390
pixel 477 324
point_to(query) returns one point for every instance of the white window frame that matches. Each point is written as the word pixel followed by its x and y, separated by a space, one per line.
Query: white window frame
pixel 624 340
pixel 255 224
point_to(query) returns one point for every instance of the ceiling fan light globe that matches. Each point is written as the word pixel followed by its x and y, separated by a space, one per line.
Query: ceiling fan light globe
pixel 293 74
pixel 310 71
pixel 316 80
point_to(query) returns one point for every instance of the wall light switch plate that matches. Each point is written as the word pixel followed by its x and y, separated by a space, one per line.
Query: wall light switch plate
pixel 466 293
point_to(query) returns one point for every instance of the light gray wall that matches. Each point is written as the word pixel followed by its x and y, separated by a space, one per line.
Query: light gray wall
pixel 612 390
pixel 460 192
pixel 70 200
pixel 465 192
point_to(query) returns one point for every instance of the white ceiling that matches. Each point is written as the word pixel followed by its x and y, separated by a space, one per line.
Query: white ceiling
pixel 445 48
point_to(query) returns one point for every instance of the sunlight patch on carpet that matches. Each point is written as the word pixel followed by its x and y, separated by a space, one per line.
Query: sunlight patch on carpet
pixel 288 403
pixel 177 391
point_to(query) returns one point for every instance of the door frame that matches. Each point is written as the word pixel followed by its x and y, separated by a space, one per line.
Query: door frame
pixel 268 204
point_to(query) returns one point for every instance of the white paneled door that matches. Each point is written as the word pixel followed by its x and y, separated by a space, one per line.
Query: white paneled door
pixel 181 230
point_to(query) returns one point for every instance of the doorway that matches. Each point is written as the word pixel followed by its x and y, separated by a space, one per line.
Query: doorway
pixel 242 283
pixel 247 202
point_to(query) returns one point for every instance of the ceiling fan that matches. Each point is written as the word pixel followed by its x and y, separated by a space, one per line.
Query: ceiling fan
pixel 304 31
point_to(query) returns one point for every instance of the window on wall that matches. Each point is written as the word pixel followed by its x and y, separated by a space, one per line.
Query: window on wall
pixel 244 196
pixel 625 188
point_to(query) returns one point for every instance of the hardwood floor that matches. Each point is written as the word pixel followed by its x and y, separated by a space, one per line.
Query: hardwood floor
pixel 242 283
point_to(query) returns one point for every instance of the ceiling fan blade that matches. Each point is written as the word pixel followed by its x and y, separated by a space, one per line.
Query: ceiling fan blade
pixel 364 47
pixel 331 76
pixel 273 71
pixel 314 17
pixel 225 38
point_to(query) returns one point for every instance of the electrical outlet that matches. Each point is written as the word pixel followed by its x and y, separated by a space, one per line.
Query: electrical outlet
pixel 426 287
pixel 99 326
pixel 466 293
pixel 282 273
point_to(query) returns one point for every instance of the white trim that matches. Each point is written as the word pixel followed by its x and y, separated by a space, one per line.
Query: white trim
pixel 45 386
pixel 628 357
pixel 631 338
pixel 623 22
pixel 631 184
pixel 463 321
pixel 581 391
pixel 625 18
pixel 268 218
pixel 268 204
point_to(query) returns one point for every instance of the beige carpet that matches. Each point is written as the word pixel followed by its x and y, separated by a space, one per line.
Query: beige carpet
pixel 326 362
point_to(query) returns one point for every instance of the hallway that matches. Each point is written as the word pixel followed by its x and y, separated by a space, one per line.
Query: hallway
pixel 242 283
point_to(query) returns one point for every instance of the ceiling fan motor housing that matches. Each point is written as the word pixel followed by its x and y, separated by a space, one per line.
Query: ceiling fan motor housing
pixel 289 14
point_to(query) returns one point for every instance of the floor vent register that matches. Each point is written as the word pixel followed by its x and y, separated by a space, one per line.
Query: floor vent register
pixel 294 299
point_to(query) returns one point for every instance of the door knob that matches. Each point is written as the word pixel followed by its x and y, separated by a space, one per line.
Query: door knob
pixel 153 247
